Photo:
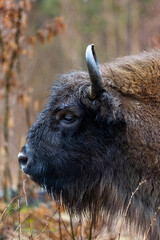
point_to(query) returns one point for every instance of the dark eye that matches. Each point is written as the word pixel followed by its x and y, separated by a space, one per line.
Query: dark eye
pixel 69 118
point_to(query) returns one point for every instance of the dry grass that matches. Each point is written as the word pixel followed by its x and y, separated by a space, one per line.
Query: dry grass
pixel 50 221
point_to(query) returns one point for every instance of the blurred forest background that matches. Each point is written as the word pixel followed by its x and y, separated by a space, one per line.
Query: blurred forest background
pixel 38 40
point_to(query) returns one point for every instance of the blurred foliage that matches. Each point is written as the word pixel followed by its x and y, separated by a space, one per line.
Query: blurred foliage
pixel 92 19
pixel 51 8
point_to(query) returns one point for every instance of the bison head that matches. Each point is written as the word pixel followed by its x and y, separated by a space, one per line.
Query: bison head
pixel 77 138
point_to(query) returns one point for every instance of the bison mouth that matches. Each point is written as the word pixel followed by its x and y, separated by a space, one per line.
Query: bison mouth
pixel 29 167
pixel 42 174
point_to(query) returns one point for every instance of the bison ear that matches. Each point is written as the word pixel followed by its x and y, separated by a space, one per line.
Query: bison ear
pixel 97 86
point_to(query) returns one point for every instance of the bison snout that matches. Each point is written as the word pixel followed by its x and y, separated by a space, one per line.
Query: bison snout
pixel 23 160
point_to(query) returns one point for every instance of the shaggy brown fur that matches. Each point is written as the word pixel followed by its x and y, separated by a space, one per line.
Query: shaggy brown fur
pixel 137 76
pixel 137 79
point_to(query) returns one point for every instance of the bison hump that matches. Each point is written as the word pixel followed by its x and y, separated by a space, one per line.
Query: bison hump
pixel 137 76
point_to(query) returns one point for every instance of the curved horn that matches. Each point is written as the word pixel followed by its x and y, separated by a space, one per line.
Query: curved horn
pixel 94 73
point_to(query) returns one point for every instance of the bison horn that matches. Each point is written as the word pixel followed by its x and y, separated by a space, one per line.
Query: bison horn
pixel 94 73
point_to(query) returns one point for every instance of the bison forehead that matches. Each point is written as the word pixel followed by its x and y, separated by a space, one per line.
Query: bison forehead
pixel 72 89
pixel 70 83
pixel 68 89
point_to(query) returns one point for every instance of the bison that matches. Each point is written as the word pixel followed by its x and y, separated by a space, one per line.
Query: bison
pixel 99 137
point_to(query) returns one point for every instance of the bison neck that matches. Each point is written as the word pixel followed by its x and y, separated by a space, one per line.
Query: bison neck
pixel 141 162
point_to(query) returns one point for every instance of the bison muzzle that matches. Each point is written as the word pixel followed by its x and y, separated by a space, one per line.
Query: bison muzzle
pixel 99 137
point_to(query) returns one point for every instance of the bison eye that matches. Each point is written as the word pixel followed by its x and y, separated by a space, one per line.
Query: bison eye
pixel 69 118
pixel 66 118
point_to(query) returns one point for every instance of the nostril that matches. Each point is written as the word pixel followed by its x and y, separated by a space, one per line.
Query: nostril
pixel 22 158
